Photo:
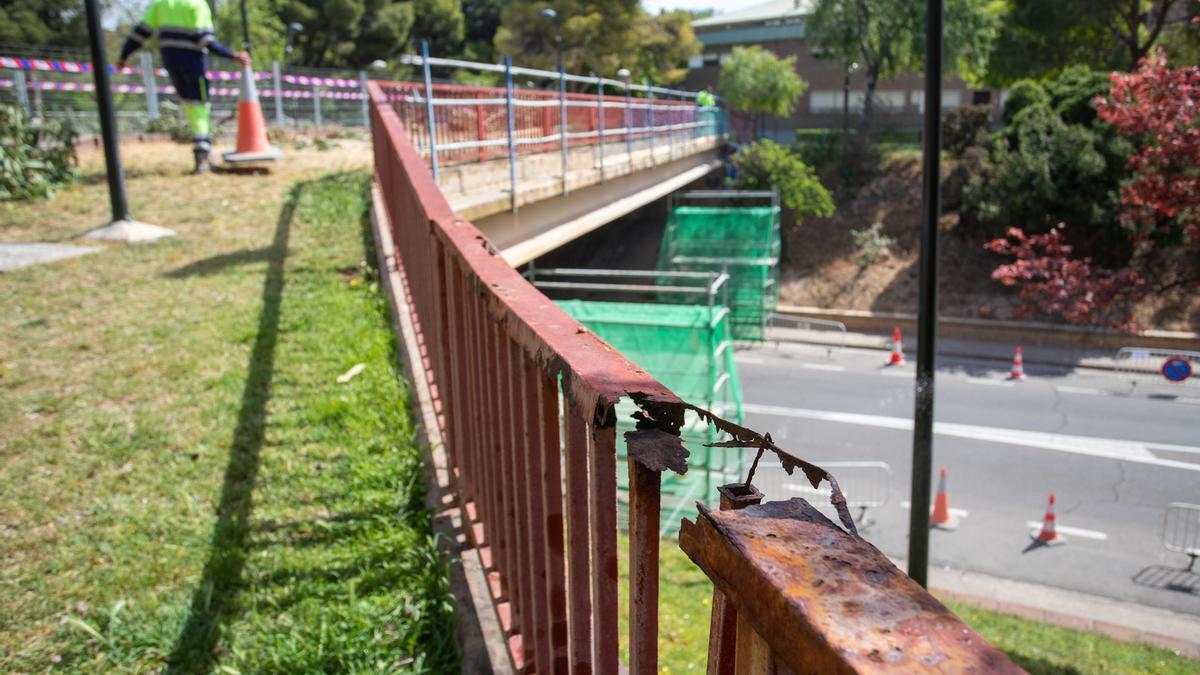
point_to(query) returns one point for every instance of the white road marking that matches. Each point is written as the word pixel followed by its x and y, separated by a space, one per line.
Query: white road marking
pixel 990 381
pixel 1108 448
pixel 1071 531
pixel 824 366
pixel 1188 399
pixel 1067 389
pixel 908 374
pixel 747 359
pixel 960 513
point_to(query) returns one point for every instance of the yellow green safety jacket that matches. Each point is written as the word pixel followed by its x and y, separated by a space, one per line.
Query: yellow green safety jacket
pixel 185 34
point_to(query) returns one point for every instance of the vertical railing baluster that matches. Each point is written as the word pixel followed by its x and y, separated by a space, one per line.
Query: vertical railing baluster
pixel 534 476
pixel 645 505
pixel 552 506
pixel 509 475
pixel 579 603
pixel 650 121
pixel 521 444
pixel 628 125
pixel 602 492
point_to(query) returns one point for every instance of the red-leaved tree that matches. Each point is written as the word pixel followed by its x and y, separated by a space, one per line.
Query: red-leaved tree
pixel 1159 109
pixel 1054 283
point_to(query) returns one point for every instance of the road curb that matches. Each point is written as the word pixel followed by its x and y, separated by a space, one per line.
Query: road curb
pixel 1124 621
pixel 1016 332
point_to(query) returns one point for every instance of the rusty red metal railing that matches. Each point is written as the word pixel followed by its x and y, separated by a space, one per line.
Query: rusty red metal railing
pixel 504 365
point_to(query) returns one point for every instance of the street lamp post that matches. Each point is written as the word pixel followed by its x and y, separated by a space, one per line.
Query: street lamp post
pixel 850 68
pixel 294 28
pixel 922 456
pixel 122 227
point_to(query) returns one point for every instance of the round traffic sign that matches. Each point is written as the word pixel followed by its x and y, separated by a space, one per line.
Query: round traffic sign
pixel 1176 369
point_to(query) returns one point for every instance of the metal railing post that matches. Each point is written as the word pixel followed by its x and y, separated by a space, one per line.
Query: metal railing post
pixel 277 81
pixel 362 85
pixel 512 140
pixel 650 121
pixel 628 125
pixel 429 120
pixel 151 88
pixel 22 91
pixel 562 122
pixel 600 121
pixel 316 92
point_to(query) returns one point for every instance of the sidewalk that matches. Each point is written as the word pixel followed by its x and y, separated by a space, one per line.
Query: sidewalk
pixel 1119 620
pixel 988 350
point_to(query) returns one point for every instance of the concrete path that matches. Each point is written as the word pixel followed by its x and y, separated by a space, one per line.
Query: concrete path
pixel 17 255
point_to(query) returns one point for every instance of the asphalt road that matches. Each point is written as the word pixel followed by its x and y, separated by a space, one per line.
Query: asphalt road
pixel 1114 458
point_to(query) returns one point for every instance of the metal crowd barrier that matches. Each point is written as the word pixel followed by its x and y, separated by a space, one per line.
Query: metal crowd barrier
pixel 1144 368
pixel 803 330
pixel 865 484
pixel 1181 530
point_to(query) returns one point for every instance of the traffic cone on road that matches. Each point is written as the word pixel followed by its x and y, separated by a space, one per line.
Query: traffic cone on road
pixel 1018 366
pixel 252 144
pixel 1048 535
pixel 897 358
pixel 941 517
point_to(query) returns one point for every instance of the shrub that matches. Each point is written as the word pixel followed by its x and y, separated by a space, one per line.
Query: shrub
pixel 36 155
pixel 965 127
pixel 1021 95
pixel 1073 93
pixel 873 243
pixel 764 165
pixel 172 121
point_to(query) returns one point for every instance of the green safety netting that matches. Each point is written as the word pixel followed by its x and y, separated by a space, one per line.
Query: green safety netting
pixel 741 241
pixel 689 349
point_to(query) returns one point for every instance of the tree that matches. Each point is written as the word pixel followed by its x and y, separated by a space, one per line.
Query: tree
pixel 1056 284
pixel 348 33
pixel 600 36
pixel 481 19
pixel 1159 107
pixel 754 81
pixel 42 22
pixel 766 165
pixel 441 23
pixel 887 38
pixel 1040 38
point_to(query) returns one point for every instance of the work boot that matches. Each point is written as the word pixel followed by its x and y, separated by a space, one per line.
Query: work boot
pixel 202 163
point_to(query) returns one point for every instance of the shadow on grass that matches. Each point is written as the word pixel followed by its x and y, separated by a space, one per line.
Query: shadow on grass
pixel 217 263
pixel 213 598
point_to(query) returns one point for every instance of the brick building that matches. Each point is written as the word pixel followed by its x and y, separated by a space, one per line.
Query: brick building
pixel 778 26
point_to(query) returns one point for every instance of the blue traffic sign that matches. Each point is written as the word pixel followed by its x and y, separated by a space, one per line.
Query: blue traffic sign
pixel 1176 369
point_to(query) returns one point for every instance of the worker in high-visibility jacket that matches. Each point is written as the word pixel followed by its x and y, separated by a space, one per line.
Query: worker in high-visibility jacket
pixel 185 37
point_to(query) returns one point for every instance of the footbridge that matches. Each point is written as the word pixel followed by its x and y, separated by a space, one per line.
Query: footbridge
pixel 537 166
pixel 519 405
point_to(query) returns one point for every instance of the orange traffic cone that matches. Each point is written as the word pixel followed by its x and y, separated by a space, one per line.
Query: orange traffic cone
pixel 1018 366
pixel 1048 535
pixel 941 517
pixel 252 145
pixel 897 358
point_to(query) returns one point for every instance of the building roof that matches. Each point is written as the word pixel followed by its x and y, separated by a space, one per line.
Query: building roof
pixel 764 11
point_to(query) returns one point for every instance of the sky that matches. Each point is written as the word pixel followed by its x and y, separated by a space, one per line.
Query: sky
pixel 654 6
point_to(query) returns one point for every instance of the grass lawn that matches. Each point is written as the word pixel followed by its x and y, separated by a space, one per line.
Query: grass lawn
pixel 686 596
pixel 184 485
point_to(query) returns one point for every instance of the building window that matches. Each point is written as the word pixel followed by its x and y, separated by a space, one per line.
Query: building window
pixel 696 61
pixel 824 102
pixel 950 99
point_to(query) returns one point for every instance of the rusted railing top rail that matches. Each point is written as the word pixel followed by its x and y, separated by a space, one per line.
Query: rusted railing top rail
pixel 598 374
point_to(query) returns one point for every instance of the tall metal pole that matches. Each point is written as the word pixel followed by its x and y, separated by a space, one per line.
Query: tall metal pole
pixel 600 121
pixel 512 133
pixel 108 125
pixel 922 459
pixel 429 119
pixel 562 112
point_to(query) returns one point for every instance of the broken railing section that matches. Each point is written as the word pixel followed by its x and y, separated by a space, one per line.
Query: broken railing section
pixel 807 596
